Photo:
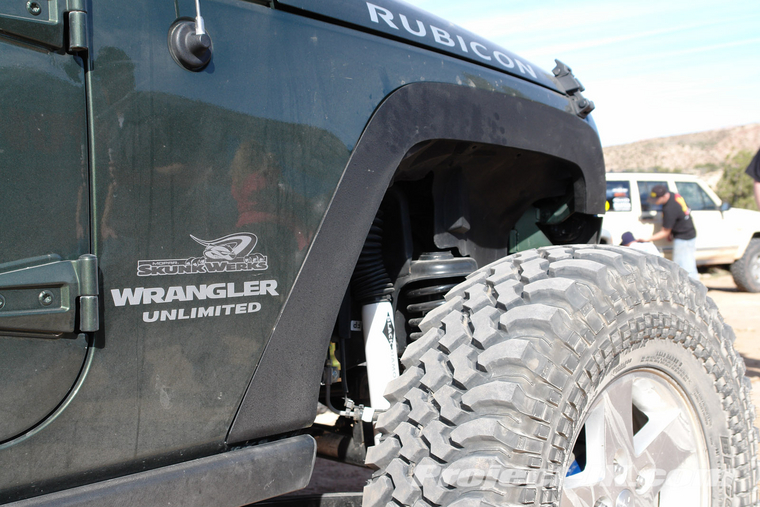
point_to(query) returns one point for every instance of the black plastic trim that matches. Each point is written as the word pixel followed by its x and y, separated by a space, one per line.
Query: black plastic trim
pixel 319 500
pixel 284 390
pixel 233 478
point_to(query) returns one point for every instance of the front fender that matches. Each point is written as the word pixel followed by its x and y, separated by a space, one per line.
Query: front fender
pixel 412 114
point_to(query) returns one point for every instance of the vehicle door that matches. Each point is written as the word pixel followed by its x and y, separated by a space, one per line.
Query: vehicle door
pixel 650 218
pixel 45 216
pixel 717 240
pixel 621 211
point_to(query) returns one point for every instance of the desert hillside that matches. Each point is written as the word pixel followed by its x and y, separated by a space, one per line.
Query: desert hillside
pixel 700 153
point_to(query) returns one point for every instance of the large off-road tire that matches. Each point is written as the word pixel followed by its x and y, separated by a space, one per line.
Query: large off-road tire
pixel 532 349
pixel 746 270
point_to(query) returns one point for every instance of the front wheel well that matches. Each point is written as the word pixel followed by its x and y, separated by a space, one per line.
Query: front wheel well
pixel 486 201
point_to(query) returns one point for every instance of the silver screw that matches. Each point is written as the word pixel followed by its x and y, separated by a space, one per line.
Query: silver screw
pixel 617 468
pixel 640 482
pixel 2 301
pixel 34 8
pixel 46 298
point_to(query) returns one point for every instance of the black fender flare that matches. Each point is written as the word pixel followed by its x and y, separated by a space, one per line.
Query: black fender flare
pixel 282 395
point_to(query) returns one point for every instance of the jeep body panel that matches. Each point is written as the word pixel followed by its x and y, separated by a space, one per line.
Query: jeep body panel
pixel 216 200
pixel 722 236
pixel 44 182
pixel 399 20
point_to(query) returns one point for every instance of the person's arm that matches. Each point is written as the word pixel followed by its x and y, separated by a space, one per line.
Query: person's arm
pixel 661 234
pixel 757 194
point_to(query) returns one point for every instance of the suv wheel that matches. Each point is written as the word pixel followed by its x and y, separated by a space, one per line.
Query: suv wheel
pixel 578 376
pixel 746 270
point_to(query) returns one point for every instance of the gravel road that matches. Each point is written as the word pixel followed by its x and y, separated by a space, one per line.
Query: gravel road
pixel 742 311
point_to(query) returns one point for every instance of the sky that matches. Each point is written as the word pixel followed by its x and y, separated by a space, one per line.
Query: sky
pixel 653 68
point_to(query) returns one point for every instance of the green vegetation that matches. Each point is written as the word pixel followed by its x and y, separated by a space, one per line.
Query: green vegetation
pixel 735 186
pixel 708 167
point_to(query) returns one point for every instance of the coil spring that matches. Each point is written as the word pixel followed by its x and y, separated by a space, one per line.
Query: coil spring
pixel 370 281
pixel 422 300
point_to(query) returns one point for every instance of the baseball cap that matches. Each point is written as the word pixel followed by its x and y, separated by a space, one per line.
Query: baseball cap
pixel 658 191
pixel 627 238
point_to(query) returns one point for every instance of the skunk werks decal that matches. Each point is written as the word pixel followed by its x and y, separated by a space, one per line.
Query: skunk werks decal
pixel 231 253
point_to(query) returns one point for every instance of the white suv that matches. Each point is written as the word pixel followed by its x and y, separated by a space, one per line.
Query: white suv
pixel 725 235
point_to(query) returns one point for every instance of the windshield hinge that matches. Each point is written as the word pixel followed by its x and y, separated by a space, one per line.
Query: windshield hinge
pixel 76 14
pixel 573 88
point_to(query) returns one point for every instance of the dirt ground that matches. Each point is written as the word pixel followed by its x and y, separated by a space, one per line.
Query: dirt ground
pixel 739 309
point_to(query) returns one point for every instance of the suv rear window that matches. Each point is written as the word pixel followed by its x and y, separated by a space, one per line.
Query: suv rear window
pixel 618 196
pixel 696 198
pixel 645 189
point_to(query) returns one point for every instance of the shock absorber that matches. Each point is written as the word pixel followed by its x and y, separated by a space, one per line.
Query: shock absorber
pixel 431 277
pixel 372 288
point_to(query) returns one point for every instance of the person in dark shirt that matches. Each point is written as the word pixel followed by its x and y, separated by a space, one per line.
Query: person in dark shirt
pixel 678 227
pixel 753 169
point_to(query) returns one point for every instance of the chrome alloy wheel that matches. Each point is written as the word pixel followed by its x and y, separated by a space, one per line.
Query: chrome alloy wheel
pixel 642 445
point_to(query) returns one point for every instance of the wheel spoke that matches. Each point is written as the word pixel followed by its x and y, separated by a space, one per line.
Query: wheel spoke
pixel 667 439
pixel 618 418
pixel 664 443
pixel 584 496
pixel 609 429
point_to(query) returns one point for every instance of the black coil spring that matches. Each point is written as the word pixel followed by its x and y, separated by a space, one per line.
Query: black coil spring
pixel 370 281
pixel 422 300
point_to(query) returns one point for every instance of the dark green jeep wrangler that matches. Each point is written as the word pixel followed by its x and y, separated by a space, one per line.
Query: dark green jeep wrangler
pixel 218 217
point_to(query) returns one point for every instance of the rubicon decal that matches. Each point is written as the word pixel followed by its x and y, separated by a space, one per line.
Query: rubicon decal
pixel 232 253
pixel 395 22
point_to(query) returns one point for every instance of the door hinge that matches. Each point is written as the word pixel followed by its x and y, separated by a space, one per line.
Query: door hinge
pixel 41 297
pixel 76 13
pixel 89 311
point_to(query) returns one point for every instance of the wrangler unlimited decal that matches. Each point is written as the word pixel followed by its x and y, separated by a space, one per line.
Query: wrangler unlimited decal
pixel 200 312
pixel 147 296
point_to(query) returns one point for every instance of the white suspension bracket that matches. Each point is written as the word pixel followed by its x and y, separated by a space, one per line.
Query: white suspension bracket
pixel 380 350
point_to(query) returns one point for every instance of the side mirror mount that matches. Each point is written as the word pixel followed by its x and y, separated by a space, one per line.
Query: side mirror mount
pixel 725 206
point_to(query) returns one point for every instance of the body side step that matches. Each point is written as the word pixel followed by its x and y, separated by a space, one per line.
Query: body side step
pixel 323 500
pixel 230 479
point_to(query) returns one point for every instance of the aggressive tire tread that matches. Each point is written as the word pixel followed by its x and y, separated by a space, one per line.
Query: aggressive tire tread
pixel 504 372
